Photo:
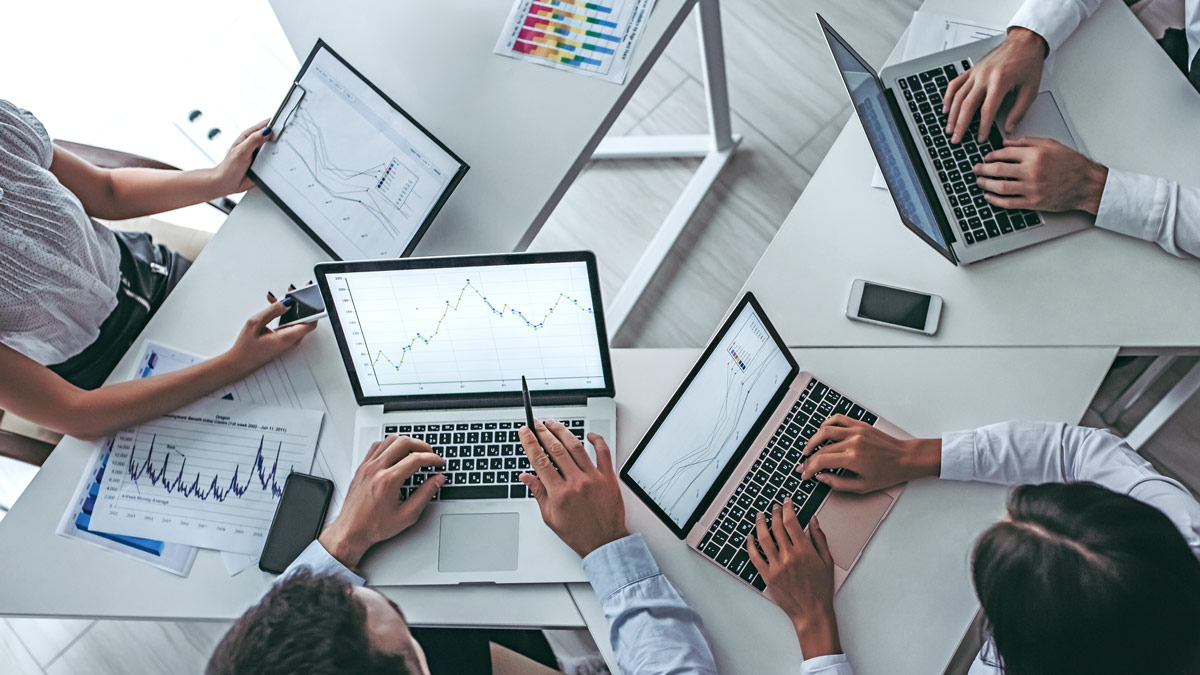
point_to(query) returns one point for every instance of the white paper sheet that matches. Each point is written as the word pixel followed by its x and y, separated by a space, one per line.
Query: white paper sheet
pixel 209 474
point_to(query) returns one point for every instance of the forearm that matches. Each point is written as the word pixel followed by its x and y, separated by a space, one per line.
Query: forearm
pixel 136 192
pixel 36 393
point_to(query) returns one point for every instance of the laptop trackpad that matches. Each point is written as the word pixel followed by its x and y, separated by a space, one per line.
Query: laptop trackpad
pixel 849 520
pixel 1044 119
pixel 478 542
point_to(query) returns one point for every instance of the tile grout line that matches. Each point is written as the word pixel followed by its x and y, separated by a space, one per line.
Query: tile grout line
pixel 70 644
pixel 661 101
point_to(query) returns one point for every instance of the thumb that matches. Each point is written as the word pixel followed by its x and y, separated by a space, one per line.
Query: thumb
pixel 420 498
pixel 1025 98
pixel 820 542
pixel 535 487
pixel 842 483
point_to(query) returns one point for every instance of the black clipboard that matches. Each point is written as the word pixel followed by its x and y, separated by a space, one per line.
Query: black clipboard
pixel 283 116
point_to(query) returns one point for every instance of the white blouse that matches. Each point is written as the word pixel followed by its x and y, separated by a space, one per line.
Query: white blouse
pixel 59 270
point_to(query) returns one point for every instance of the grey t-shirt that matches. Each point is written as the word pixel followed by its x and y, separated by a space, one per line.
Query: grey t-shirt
pixel 59 270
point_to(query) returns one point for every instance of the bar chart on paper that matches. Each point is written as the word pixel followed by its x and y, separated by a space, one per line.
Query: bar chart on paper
pixel 209 475
pixel 594 38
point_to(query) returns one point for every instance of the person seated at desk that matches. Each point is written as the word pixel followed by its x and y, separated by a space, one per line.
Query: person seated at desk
pixel 320 618
pixel 74 295
pixel 1042 174
pixel 1093 571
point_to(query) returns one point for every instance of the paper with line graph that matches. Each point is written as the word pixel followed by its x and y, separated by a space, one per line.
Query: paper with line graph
pixel 701 433
pixel 466 330
pixel 592 37
pixel 354 170
pixel 208 475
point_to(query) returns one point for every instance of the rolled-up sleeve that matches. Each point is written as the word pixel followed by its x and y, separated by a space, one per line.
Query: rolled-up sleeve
pixel 651 627
pixel 1153 209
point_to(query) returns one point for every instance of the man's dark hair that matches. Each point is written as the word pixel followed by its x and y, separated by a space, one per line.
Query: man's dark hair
pixel 1082 579
pixel 307 623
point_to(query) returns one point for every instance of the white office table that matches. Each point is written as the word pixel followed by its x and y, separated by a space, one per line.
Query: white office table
pixel 906 606
pixel 1089 288
pixel 526 130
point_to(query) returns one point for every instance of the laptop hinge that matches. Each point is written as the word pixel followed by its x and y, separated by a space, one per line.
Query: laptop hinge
pixel 922 170
pixel 540 399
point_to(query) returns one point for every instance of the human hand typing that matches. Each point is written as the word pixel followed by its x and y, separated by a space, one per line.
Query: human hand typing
pixel 1015 67
pixel 878 460
pixel 579 500
pixel 373 511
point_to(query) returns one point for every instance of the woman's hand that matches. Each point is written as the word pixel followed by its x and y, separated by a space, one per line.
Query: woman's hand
pixel 257 344
pixel 878 460
pixel 229 177
pixel 798 569
pixel 1013 67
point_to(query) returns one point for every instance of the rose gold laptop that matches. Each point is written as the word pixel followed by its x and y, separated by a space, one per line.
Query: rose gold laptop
pixel 727 445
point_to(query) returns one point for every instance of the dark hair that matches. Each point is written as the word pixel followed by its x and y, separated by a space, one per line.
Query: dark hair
pixel 307 623
pixel 1085 580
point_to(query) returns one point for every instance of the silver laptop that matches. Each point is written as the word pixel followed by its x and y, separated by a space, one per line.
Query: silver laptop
pixel 930 178
pixel 729 444
pixel 435 349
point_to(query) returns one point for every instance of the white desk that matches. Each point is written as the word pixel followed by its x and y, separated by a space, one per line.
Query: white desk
pixel 1090 288
pixel 906 606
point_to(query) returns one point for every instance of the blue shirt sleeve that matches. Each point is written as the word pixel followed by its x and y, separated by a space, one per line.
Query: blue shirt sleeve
pixel 651 627
pixel 317 559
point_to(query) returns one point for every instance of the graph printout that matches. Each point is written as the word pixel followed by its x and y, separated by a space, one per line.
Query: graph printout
pixel 710 420
pixel 354 170
pixel 468 330
pixel 208 475
pixel 594 38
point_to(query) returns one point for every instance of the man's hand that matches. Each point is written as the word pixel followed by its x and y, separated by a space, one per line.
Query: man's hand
pixel 580 501
pixel 1014 67
pixel 229 177
pixel 1042 174
pixel 877 459
pixel 798 569
pixel 373 511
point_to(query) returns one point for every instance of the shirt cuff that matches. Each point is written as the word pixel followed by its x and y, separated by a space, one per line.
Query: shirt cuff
pixel 1046 18
pixel 618 564
pixel 317 559
pixel 958 455
pixel 830 664
pixel 1132 204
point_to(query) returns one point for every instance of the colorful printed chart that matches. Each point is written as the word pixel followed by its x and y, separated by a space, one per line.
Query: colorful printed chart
pixel 593 38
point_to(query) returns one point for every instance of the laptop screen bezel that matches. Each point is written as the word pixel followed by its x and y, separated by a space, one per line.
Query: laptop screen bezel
pixel 743 447
pixel 476 399
pixel 910 148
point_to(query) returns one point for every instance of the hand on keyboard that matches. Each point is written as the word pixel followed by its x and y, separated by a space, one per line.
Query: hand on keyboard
pixel 878 460
pixel 798 569
pixel 1013 67
pixel 579 500
pixel 373 510
pixel 1040 174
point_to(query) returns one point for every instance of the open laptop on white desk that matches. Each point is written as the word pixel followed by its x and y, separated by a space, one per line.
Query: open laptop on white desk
pixel 931 179
pixel 728 444
pixel 435 349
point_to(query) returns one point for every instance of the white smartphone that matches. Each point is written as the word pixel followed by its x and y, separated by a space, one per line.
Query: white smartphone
pixel 894 307
pixel 305 305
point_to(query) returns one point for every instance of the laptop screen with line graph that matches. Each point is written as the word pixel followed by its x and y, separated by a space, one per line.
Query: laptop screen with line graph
pixel 468 326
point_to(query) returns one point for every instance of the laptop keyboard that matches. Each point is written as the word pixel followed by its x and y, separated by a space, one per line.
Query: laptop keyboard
pixel 483 459
pixel 978 219
pixel 773 478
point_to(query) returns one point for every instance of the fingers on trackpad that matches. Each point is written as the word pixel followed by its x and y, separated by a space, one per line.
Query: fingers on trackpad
pixel 479 542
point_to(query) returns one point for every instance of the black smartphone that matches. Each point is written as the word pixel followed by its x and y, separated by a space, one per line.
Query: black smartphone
pixel 298 520
pixel 305 305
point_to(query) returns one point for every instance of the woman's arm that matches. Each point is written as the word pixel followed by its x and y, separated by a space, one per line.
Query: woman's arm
pixel 36 393
pixel 117 194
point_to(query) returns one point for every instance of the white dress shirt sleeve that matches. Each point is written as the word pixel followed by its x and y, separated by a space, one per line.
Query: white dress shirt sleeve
pixel 833 664
pixel 1054 20
pixel 317 559
pixel 651 627
pixel 1154 209
pixel 1014 453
